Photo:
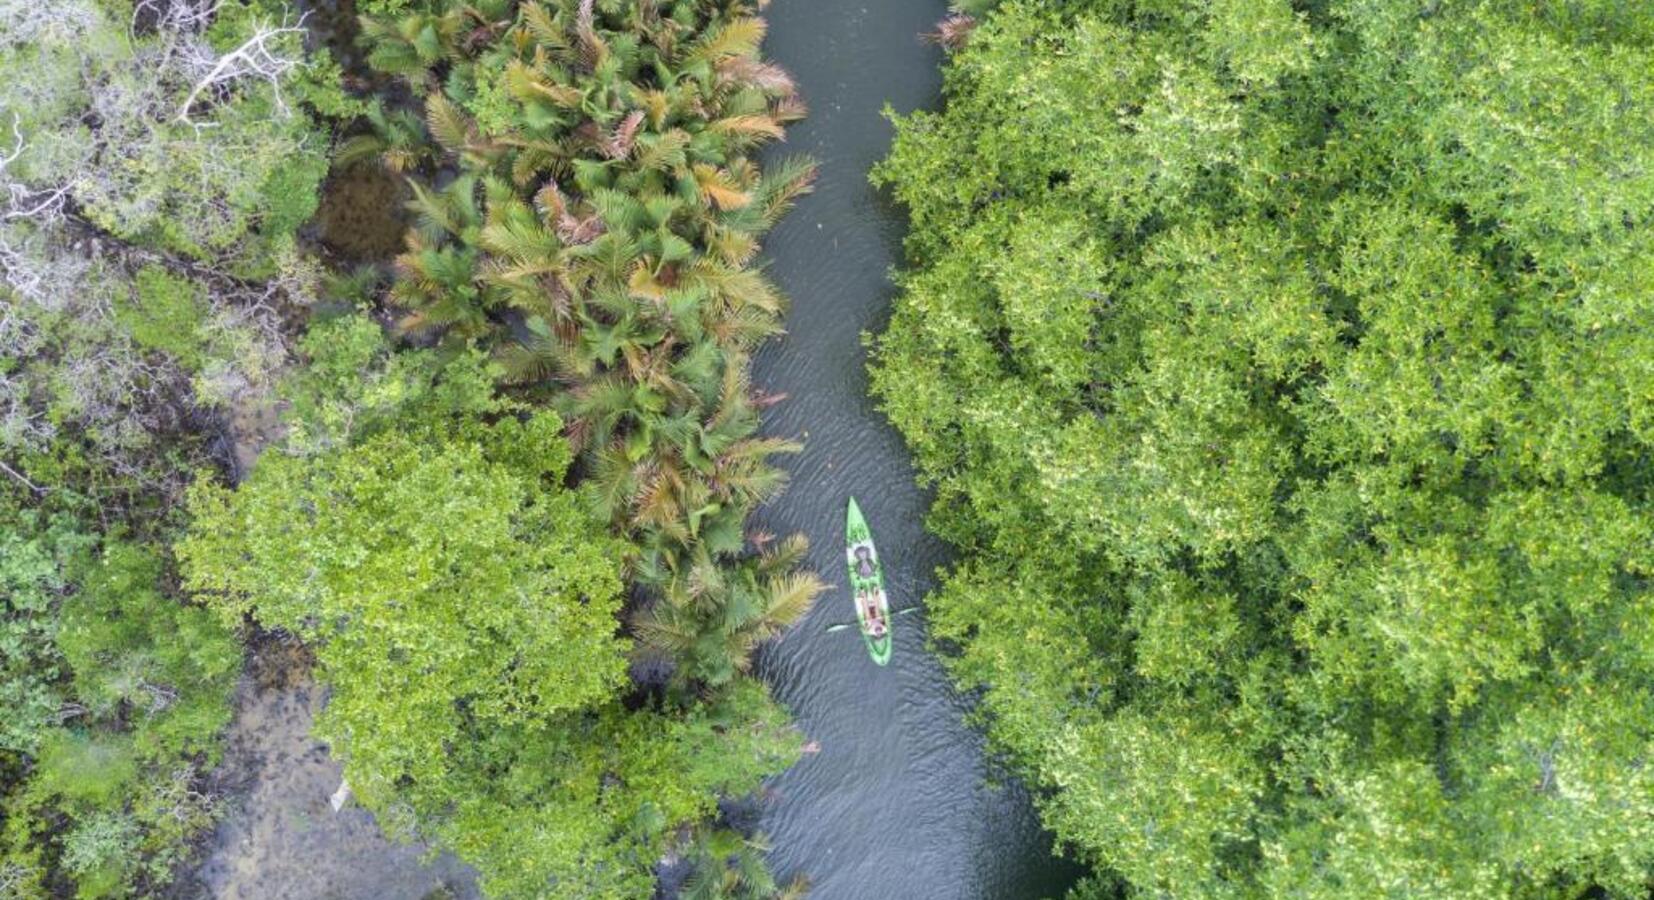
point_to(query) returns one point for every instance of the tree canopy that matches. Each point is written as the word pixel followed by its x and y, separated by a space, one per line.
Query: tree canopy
pixel 447 585
pixel 151 188
pixel 1282 372
pixel 464 610
pixel 484 535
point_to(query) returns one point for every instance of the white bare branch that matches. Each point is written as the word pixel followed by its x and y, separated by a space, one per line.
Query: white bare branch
pixel 255 59
pixel 27 21
pixel 17 142
pixel 12 877
pixel 23 202
pixel 19 476
pixel 180 16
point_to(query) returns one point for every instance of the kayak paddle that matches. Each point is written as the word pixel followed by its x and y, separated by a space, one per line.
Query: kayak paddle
pixel 843 625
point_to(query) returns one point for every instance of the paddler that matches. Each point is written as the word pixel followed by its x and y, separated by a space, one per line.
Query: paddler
pixel 864 561
pixel 875 622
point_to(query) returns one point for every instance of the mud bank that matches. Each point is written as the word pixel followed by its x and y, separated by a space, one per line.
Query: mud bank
pixel 280 840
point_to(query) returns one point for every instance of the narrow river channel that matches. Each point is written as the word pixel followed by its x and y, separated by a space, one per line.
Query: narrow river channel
pixel 900 803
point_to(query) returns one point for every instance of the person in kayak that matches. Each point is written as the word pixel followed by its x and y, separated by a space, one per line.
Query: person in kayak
pixel 875 622
pixel 864 561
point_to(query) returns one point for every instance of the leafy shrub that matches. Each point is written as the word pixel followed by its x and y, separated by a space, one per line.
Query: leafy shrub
pixel 100 843
pixel 125 691
pixel 34 550
pixel 165 314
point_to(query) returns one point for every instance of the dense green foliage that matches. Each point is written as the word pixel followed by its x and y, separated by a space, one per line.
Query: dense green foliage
pixel 463 607
pixel 379 554
pixel 114 695
pixel 130 233
pixel 585 212
pixel 411 525
pixel 1282 371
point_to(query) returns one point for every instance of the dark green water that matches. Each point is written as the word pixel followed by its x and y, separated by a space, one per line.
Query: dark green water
pixel 898 804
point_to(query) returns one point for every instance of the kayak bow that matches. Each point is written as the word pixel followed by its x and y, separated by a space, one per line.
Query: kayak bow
pixel 867 584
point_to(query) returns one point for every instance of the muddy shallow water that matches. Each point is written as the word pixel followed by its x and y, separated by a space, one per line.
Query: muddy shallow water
pixel 281 840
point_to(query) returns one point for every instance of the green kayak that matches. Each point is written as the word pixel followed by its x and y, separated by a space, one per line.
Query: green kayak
pixel 867 584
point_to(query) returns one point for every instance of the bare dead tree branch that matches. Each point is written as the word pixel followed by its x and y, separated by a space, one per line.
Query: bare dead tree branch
pixel 25 21
pixel 23 202
pixel 24 481
pixel 184 16
pixel 253 59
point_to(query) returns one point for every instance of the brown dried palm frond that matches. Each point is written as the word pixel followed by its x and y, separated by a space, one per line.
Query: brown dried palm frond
pixel 619 145
pixel 953 32
pixel 767 77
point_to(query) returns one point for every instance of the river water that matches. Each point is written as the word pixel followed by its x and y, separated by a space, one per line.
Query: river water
pixel 900 803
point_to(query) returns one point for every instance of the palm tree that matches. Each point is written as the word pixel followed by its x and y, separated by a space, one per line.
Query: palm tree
pixel 437 276
pixel 599 238
pixel 711 617
pixel 395 139
pixel 726 865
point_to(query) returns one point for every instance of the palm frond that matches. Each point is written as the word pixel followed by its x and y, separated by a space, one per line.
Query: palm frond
pixel 785 555
pixel 620 211
pixel 545 30
pixel 767 77
pixel 789 597
pixel 719 188
pixel 359 149
pixel 785 182
pixel 521 238
pixel 737 37
pixel 612 484
pixel 451 128
pixel 748 126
